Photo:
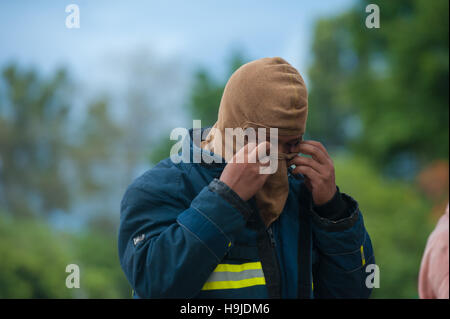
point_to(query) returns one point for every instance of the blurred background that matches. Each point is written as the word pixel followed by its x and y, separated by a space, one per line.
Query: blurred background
pixel 85 111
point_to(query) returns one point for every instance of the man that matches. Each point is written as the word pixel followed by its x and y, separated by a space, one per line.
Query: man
pixel 222 229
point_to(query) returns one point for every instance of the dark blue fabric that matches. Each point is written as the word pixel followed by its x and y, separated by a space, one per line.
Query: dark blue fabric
pixel 174 231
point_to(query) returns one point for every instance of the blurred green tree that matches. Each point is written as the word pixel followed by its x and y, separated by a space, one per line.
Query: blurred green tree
pixel 38 149
pixel 381 96
pixel 383 91
pixel 35 256
pixel 91 151
pixel 396 216
pixel 33 114
pixel 204 100
pixel 207 91
pixel 48 163
pixel 33 263
pixel 97 255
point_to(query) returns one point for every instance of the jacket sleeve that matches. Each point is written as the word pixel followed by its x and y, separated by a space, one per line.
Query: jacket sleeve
pixel 168 245
pixel 343 253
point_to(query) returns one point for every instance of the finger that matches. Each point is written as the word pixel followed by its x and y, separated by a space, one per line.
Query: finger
pixel 305 161
pixel 253 150
pixel 308 183
pixel 261 152
pixel 242 155
pixel 250 146
pixel 307 171
pixel 315 152
pixel 264 160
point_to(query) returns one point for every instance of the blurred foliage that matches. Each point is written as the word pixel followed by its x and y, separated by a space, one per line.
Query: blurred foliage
pixel 204 101
pixel 95 143
pixel 33 114
pixel 96 254
pixel 34 259
pixel 396 216
pixel 161 150
pixel 207 91
pixel 37 149
pixel 433 182
pixel 382 96
pixel 383 92
pixel 48 163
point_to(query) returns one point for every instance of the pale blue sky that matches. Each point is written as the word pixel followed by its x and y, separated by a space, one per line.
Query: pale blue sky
pixel 194 32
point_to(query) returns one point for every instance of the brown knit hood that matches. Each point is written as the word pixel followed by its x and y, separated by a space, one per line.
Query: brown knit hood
pixel 266 93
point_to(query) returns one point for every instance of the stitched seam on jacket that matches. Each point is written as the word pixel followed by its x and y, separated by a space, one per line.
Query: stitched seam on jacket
pixel 341 224
pixel 350 252
pixel 359 268
pixel 328 223
pixel 218 259
pixel 230 196
pixel 209 219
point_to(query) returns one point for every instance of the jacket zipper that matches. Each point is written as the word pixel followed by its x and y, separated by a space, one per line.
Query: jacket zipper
pixel 272 240
pixel 275 255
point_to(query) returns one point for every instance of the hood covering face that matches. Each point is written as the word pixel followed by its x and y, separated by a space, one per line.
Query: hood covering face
pixel 266 93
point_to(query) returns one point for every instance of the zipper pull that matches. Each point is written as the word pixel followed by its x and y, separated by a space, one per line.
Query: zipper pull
pixel 272 240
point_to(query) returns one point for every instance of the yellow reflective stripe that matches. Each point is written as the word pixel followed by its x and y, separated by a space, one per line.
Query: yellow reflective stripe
pixel 362 256
pixel 238 268
pixel 234 284
pixel 220 278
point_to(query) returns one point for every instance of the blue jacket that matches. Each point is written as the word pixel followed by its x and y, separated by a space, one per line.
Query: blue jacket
pixel 185 234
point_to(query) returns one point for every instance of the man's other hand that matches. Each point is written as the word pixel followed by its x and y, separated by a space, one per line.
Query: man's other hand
pixel 318 171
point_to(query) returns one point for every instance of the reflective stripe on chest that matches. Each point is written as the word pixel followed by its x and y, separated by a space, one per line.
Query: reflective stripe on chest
pixel 232 276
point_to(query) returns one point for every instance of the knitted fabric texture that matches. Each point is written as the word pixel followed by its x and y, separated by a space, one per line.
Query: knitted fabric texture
pixel 266 93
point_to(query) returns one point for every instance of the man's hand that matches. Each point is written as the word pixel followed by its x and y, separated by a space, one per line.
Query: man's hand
pixel 318 171
pixel 242 177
